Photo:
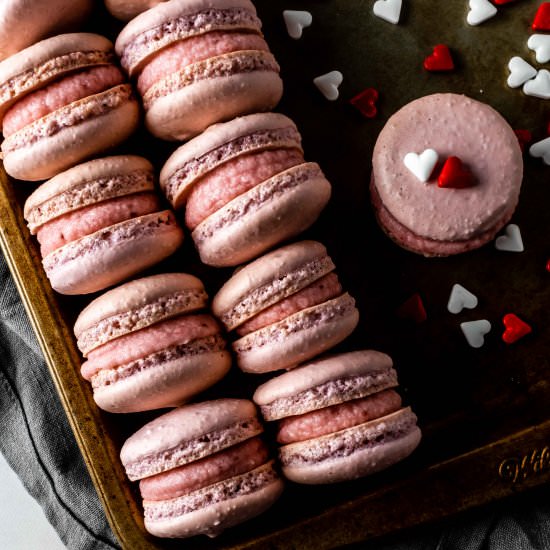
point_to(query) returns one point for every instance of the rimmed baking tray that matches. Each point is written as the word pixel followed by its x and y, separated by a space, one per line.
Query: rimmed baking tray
pixel 485 413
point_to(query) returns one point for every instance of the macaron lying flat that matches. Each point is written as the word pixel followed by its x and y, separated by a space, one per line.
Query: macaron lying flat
pixel 23 22
pixel 198 62
pixel 99 223
pixel 62 100
pixel 286 306
pixel 128 9
pixel 479 195
pixel 202 468
pixel 150 345
pixel 340 418
pixel 245 187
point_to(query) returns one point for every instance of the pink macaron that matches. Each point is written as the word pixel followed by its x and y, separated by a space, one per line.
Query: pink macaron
pixel 202 468
pixel 62 100
pixel 198 62
pixel 245 187
pixel 286 307
pixel 438 206
pixel 128 9
pixel 100 222
pixel 150 344
pixel 339 418
pixel 24 22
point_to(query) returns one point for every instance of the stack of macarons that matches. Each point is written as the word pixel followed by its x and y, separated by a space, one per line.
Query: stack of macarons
pixel 245 187
pixel 198 62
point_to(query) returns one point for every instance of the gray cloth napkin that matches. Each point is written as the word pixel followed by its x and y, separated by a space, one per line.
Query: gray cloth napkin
pixel 39 445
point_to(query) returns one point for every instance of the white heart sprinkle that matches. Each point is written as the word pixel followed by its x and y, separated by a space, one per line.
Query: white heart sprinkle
pixel 475 331
pixel 421 165
pixel 388 10
pixel 540 43
pixel 520 72
pixel 480 10
pixel 539 86
pixel 296 21
pixel 541 149
pixel 461 298
pixel 511 241
pixel 328 84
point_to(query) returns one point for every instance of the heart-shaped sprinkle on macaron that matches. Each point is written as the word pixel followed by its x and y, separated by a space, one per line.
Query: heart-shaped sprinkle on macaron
pixel 541 149
pixel 520 72
pixel 412 309
pixel 542 18
pixel 439 60
pixel 455 175
pixel 540 44
pixel 388 10
pixel 296 21
pixel 548 265
pixel 461 298
pixel 422 165
pixel 524 138
pixel 515 328
pixel 538 86
pixel 480 11
pixel 511 241
pixel 365 102
pixel 503 2
pixel 475 331
pixel 328 84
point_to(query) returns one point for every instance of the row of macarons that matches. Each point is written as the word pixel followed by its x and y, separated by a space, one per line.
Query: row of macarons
pixel 194 62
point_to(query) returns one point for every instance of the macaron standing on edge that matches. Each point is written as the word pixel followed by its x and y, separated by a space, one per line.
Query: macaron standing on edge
pixel 202 468
pixel 150 344
pixel 128 9
pixel 440 221
pixel 287 307
pixel 62 100
pixel 340 418
pixel 100 222
pixel 198 62
pixel 245 187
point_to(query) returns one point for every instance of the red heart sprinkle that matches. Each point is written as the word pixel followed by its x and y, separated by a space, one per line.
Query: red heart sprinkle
pixel 542 18
pixel 439 60
pixel 453 174
pixel 502 2
pixel 365 102
pixel 524 138
pixel 515 328
pixel 412 309
pixel 548 266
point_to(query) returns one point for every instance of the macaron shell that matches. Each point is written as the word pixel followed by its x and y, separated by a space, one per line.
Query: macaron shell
pixel 188 111
pixel 356 462
pixel 110 262
pixel 264 216
pixel 215 518
pixel 62 15
pixel 168 384
pixel 298 337
pixel 51 154
pixel 128 9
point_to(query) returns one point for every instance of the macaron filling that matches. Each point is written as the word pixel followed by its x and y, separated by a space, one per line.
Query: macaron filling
pixel 140 344
pixel 68 89
pixel 337 417
pixel 234 461
pixel 197 48
pixel 321 290
pixel 79 223
pixel 233 178
pixel 184 27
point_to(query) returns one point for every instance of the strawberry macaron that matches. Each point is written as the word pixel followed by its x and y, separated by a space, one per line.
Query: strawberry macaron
pixel 202 468
pixel 286 307
pixel 446 175
pixel 339 418
pixel 100 222
pixel 24 22
pixel 62 100
pixel 128 9
pixel 245 187
pixel 149 344
pixel 198 62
